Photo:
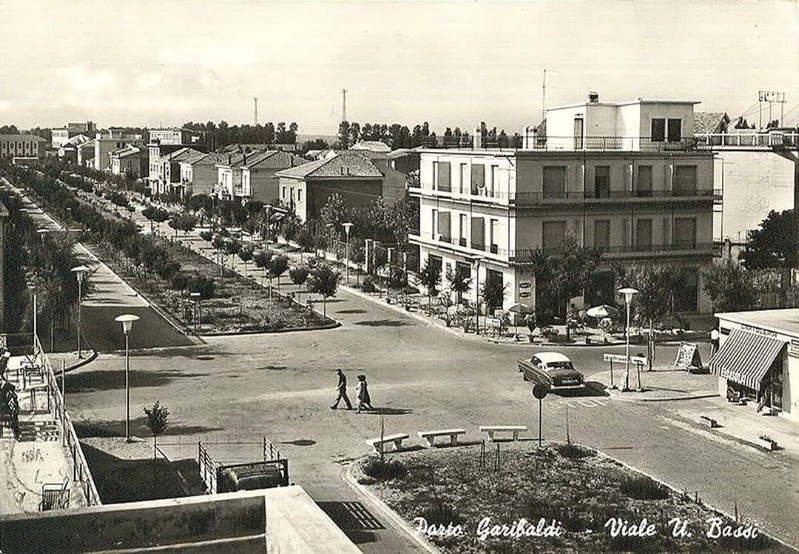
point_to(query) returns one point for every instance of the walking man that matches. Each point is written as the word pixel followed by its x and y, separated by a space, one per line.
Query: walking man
pixel 341 390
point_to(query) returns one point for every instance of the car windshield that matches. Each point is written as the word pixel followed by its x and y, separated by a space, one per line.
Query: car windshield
pixel 560 365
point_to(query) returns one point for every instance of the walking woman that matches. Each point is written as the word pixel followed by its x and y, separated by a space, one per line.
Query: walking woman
pixel 362 393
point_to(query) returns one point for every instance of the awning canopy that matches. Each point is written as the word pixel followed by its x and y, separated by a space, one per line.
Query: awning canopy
pixel 746 357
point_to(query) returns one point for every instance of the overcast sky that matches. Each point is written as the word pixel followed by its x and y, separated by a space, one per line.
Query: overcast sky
pixel 148 63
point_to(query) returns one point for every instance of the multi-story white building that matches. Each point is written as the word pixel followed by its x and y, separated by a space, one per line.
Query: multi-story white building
pixel 625 178
pixel 173 136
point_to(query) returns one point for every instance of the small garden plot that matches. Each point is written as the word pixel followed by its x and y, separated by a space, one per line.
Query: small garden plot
pixel 236 304
pixel 560 498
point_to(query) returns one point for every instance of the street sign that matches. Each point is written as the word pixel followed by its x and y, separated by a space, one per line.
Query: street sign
pixel 540 391
pixel 623 359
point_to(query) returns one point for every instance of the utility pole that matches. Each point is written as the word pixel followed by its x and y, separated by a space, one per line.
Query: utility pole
pixel 544 97
pixel 255 116
pixel 343 104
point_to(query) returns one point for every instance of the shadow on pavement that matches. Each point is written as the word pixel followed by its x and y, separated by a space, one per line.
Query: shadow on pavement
pixel 383 323
pixel 111 379
pixel 138 428
pixel 355 311
pixel 151 331
pixel 354 519
pixel 387 411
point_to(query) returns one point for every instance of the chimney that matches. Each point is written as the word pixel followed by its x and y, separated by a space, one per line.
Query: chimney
pixel 478 138
pixel 593 97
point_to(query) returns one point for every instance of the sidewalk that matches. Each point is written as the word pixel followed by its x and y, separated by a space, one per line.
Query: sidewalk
pixel 663 383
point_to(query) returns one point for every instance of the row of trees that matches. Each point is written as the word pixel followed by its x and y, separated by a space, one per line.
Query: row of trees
pixel 221 134
pixel 400 136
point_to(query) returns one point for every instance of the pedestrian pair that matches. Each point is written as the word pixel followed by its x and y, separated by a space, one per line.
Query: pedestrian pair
pixel 361 393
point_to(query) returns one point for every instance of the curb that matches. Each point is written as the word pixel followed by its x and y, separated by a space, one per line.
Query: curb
pixel 388 512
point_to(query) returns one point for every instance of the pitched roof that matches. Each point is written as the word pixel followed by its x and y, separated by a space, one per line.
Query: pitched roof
pixel 186 154
pixel 22 136
pixel 372 146
pixel 344 164
pixel 710 122
pixel 273 159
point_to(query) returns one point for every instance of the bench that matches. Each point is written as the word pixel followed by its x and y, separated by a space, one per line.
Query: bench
pixel 491 429
pixel 709 421
pixel 378 443
pixel 430 436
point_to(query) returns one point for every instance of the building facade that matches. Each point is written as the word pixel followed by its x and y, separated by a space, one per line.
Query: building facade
pixel 173 136
pixel 639 199
pixel 130 160
pixel 758 359
pixel 59 137
pixel 21 146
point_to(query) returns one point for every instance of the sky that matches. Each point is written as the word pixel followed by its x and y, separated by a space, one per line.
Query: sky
pixel 451 63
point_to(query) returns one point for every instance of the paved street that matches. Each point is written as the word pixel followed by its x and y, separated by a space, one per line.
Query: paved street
pixel 280 385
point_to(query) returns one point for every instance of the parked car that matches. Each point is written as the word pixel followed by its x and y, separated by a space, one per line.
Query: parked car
pixel 552 369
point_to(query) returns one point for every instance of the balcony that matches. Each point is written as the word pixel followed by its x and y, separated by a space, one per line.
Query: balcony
pixel 621 251
pixel 612 144
pixel 533 198
pixel 748 139
pixel 459 246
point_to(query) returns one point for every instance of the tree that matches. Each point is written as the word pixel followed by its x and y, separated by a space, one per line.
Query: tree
pixel 315 144
pixel 156 422
pixel 324 281
pixel 430 277
pixel 494 292
pixel 730 287
pixel 232 247
pixel 566 274
pixel 334 213
pixel 277 267
pixel 459 283
pixel 298 275
pixel 775 245
pixel 246 255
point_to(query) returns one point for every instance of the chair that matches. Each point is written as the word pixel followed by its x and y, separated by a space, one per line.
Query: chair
pixel 55 496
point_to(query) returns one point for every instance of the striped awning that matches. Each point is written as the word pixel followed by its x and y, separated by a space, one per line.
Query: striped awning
pixel 746 357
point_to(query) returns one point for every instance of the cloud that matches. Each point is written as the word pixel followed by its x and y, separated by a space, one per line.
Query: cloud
pixel 83 79
pixel 148 80
pixel 196 53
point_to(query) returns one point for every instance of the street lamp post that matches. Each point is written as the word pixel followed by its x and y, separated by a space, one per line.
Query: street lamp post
pixel 347 227
pixel 42 234
pixel 477 295
pixel 80 272
pixel 628 293
pixel 195 296
pixel 127 323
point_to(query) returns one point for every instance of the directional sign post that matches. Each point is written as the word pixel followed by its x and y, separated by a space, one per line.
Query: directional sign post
pixel 638 360
pixel 540 391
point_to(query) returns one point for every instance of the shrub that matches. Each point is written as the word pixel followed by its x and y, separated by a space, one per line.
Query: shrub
pixel 383 471
pixel 202 284
pixel 643 488
pixel 298 275
pixel 179 280
pixel 574 451
pixel 440 513
pixel 369 285
pixel 207 235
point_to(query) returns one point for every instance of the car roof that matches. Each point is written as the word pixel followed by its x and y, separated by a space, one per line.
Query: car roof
pixel 549 357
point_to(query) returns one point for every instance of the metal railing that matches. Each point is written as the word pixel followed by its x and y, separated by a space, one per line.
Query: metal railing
pixel 611 143
pixel 527 255
pixel 80 467
pixel 752 138
pixel 529 198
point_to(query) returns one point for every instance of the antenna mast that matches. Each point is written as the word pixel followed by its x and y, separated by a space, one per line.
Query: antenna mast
pixel 544 97
pixel 343 104
pixel 255 115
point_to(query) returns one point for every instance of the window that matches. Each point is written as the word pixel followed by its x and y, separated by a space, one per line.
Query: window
pixel 464 269
pixel 494 187
pixel 602 181
pixel 643 235
pixel 685 179
pixel 444 228
pixel 602 232
pixel 643 184
pixel 685 232
pixel 553 235
pixel 478 178
pixel 675 130
pixel 285 193
pixel 666 238
pixel 299 195
pixel 444 179
pixel 462 223
pixel 436 262
pixel 658 130
pixel 435 175
pixel 478 233
pixel 462 178
pixel 554 182
pixel 494 236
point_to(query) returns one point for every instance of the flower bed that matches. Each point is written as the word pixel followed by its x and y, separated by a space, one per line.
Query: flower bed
pixel 596 503
pixel 238 304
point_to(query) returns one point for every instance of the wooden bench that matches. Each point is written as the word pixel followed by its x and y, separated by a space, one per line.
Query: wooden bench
pixel 491 429
pixel 378 443
pixel 709 421
pixel 430 436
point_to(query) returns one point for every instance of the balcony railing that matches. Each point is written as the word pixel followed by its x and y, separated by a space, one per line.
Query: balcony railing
pixel 527 255
pixel 611 143
pixel 527 198
pixel 752 139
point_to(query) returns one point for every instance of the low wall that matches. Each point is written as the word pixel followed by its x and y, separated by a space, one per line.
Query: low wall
pixel 277 520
